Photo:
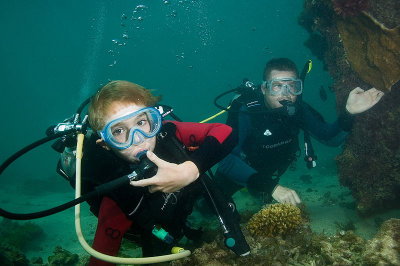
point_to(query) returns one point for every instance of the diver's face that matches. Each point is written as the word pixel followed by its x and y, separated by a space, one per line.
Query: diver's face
pixel 272 101
pixel 116 111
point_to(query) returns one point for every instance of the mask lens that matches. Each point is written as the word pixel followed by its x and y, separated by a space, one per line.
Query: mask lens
pixel 285 85
pixel 120 133
pixel 276 87
pixel 296 87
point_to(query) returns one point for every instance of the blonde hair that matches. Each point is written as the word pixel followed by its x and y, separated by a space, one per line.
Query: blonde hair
pixel 117 91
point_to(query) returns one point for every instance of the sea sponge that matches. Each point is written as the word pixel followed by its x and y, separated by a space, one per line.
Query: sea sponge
pixel 275 219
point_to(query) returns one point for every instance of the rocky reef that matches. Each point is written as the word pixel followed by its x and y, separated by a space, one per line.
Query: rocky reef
pixel 359 44
pixel 16 234
pixel 9 255
pixel 384 248
pixel 346 8
pixel 372 49
pixel 63 257
pixel 304 247
pixel 17 238
pixel 300 246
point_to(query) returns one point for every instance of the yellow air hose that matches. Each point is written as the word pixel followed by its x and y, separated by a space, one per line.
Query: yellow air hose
pixel 214 116
pixel 179 252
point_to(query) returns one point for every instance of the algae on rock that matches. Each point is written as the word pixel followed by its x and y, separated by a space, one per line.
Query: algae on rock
pixel 372 49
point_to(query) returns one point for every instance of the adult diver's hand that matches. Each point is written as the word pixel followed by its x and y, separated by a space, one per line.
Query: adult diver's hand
pixel 285 195
pixel 170 177
pixel 360 100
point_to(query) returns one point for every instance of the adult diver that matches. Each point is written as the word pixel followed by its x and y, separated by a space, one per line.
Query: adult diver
pixel 267 121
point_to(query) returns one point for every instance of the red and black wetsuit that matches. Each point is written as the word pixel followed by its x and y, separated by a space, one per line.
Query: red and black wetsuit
pixel 130 207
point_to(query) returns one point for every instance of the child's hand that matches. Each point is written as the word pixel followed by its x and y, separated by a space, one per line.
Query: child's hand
pixel 170 177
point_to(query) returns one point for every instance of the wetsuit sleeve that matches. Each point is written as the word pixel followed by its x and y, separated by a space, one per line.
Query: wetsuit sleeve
pixel 345 121
pixel 111 226
pixel 331 134
pixel 210 142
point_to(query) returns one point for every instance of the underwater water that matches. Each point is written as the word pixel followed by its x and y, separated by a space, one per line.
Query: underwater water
pixel 55 54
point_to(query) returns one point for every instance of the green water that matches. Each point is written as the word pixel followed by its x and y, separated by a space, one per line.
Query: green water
pixel 57 53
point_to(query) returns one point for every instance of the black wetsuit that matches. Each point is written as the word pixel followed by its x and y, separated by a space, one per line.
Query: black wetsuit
pixel 268 142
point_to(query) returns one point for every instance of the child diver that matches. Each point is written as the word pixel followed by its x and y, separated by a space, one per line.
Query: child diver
pixel 127 125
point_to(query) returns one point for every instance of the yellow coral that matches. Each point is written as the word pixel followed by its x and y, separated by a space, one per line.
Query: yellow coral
pixel 275 219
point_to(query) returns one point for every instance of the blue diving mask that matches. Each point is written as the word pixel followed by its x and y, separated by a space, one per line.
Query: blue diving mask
pixel 132 129
pixel 284 86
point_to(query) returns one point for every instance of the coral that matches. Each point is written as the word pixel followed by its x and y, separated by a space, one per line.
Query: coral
pixel 302 247
pixel 349 8
pixel 344 248
pixel 384 248
pixel 372 50
pixel 276 219
pixel 63 257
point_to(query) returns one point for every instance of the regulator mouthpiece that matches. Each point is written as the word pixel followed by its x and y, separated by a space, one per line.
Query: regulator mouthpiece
pixel 145 169
pixel 289 108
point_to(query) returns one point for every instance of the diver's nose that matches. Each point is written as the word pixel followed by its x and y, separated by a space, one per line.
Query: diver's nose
pixel 138 138
pixel 285 90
